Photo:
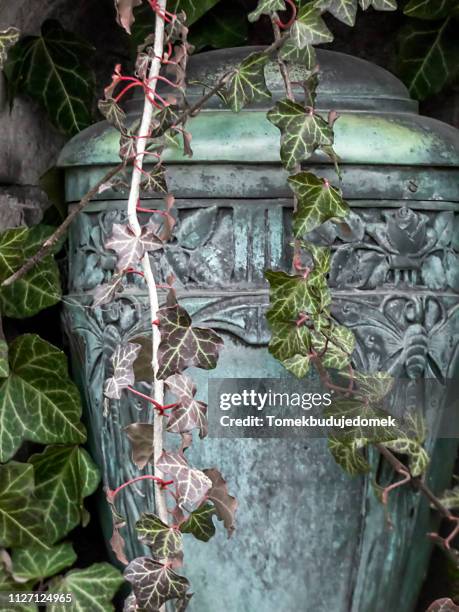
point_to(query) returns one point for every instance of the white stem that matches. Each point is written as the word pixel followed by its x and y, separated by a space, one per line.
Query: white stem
pixel 134 193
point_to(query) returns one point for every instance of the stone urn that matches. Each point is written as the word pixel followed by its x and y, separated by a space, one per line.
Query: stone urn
pixel 309 537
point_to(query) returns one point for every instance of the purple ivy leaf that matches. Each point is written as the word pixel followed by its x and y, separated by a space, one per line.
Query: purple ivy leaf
pixel 225 504
pixel 191 413
pixel 154 583
pixel 192 484
pixel 131 248
pixel 182 345
pixel 141 437
pixel 103 294
pixel 123 372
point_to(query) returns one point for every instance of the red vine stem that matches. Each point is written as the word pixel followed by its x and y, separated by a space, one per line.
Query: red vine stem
pixel 290 22
pixel 159 407
pixel 162 483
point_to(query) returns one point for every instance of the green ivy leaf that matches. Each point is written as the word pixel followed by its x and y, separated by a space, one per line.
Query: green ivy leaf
pixel 418 459
pixel 8 38
pixel 248 84
pixel 92 588
pixel 4 365
pixel 343 10
pixel 309 27
pixel 183 345
pixel 318 201
pixel 20 516
pixel 53 69
pixel 348 455
pixel 428 56
pixel 335 344
pixel 64 476
pixel 266 7
pixel 302 131
pixel 290 52
pixel 430 9
pixel 372 387
pixel 36 563
pixel 164 541
pixel 39 288
pixel 379 5
pixel 200 523
pixel 154 583
pixel 291 344
pixel 38 401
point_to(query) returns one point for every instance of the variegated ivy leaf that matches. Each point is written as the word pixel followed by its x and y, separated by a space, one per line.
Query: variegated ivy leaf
pixel 123 371
pixel 154 583
pixel 131 248
pixel 290 52
pixel 372 387
pixel 450 498
pixel 318 201
pixel 36 563
pixel 248 84
pixel 113 113
pixel 103 294
pixel 266 7
pixel 64 476
pixel 291 345
pixel 418 459
pixel 343 10
pixel 38 401
pixel 335 344
pixel 20 515
pixel 309 27
pixel 155 180
pixel 165 541
pixel 141 438
pixel 191 413
pixel 379 5
pixel 8 38
pixel 200 523
pixel 125 13
pixel 183 345
pixel 92 588
pixel 348 455
pixel 225 504
pixel 302 131
pixel 192 484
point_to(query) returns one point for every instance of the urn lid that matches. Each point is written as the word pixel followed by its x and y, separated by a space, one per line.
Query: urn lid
pixel 378 123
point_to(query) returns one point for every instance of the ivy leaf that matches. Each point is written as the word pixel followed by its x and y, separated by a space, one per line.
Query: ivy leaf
pixel 225 504
pixel 38 401
pixel 291 345
pixel 318 201
pixel 427 57
pixel 103 294
pixel 39 288
pixel 125 13
pixel 372 387
pixel 418 459
pixel 155 180
pixel 192 484
pixel 336 344
pixel 183 345
pixel 445 604
pixel 191 413
pixel 248 84
pixel 450 498
pixel 123 371
pixel 309 27
pixel 36 563
pixel 8 38
pixel 92 588
pixel 348 455
pixel 200 523
pixel 53 69
pixel 379 5
pixel 113 113
pixel 4 365
pixel 266 7
pixel 154 583
pixel 131 248
pixel 343 10
pixel 165 542
pixel 302 131
pixel 290 52
pixel 64 476
pixel 430 9
pixel 141 437
pixel 20 518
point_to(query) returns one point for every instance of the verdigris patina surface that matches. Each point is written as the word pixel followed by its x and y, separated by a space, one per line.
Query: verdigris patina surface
pixel 309 537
